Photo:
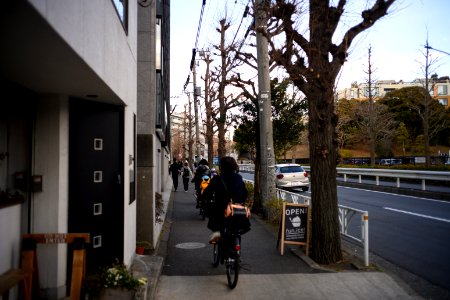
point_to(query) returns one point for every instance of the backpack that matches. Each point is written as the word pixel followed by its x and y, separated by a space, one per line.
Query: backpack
pixel 186 172
pixel 204 183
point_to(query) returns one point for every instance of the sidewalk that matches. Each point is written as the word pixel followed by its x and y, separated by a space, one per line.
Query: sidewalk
pixel 188 274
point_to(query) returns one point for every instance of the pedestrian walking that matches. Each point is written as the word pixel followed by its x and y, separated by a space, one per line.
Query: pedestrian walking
pixel 174 170
pixel 187 175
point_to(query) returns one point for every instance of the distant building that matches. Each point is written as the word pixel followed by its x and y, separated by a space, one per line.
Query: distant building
pixel 441 89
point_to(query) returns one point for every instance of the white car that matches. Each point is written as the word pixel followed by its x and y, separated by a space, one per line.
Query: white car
pixel 291 176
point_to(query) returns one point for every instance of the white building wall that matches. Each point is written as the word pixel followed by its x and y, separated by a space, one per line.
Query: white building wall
pixel 49 209
pixel 95 33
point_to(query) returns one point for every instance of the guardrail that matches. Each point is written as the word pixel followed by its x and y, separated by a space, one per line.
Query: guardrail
pixel 423 176
pixel 346 215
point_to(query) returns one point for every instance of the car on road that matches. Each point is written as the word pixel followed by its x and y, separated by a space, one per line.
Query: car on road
pixel 291 176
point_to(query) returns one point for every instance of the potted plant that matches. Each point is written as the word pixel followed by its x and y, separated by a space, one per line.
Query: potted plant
pixel 115 282
pixel 143 247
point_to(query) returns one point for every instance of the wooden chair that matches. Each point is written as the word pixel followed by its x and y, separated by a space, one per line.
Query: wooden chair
pixel 29 260
pixel 11 278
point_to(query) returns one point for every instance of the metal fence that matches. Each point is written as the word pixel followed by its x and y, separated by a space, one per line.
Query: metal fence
pixel 346 215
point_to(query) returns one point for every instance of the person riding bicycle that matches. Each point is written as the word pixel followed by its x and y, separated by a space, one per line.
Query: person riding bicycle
pixel 200 171
pixel 225 187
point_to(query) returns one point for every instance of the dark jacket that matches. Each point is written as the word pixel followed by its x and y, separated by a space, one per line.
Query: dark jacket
pixel 174 170
pixel 235 190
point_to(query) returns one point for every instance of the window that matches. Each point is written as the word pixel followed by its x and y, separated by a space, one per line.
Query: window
pixel 443 101
pixel 442 90
pixel 158 47
pixel 374 91
pixel 291 169
pixel 121 7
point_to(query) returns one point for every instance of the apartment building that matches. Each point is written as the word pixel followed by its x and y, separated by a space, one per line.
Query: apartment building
pixel 439 89
pixel 84 128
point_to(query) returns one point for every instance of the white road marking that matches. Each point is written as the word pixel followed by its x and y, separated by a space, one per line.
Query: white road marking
pixel 394 194
pixel 418 215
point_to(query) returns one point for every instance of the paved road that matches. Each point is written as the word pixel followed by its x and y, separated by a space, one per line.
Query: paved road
pixel 413 233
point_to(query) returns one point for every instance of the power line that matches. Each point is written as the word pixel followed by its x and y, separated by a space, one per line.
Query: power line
pixel 200 23
pixel 196 41
pixel 242 19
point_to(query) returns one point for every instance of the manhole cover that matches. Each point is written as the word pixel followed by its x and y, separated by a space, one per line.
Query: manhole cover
pixel 191 245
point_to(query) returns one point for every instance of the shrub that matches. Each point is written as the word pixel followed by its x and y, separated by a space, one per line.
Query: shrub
pixel 274 210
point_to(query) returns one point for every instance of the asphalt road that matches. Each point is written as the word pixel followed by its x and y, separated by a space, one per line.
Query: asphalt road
pixel 413 233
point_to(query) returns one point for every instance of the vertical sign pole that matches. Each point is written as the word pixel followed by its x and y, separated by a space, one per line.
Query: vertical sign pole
pixel 283 218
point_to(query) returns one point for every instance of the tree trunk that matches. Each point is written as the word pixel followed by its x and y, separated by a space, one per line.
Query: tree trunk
pixel 190 134
pixel 326 246
pixel 257 200
pixel 209 135
pixel 221 91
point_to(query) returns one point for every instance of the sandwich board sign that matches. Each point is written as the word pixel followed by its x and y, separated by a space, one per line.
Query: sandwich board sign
pixel 294 227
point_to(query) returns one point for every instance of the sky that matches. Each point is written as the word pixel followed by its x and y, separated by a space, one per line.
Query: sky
pixel 397 40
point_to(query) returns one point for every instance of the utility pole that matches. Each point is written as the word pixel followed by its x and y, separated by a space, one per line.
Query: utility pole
pixel 190 142
pixel 197 126
pixel 267 163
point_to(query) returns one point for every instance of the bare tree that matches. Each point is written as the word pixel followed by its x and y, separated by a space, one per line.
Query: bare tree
pixel 370 116
pixel 313 65
pixel 209 99
pixel 228 63
pixel 376 124
pixel 433 120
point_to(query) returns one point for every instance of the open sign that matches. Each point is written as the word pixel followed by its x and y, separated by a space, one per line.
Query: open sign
pixel 294 227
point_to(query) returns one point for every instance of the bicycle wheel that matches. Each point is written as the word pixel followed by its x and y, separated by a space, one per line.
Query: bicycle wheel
pixel 232 265
pixel 216 254
pixel 202 213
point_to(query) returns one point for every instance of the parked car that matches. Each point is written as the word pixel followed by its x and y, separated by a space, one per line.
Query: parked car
pixel 390 161
pixel 291 176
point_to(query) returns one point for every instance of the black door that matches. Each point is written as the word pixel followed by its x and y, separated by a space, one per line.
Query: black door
pixel 96 202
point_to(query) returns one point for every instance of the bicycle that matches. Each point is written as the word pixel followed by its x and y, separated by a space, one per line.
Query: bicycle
pixel 227 250
pixel 200 206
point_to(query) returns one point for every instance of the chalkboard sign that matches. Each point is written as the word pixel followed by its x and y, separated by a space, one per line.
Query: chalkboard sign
pixel 294 227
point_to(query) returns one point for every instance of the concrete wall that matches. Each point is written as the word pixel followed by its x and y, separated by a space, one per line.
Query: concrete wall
pixel 93 30
pixel 49 209
pixel 147 140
